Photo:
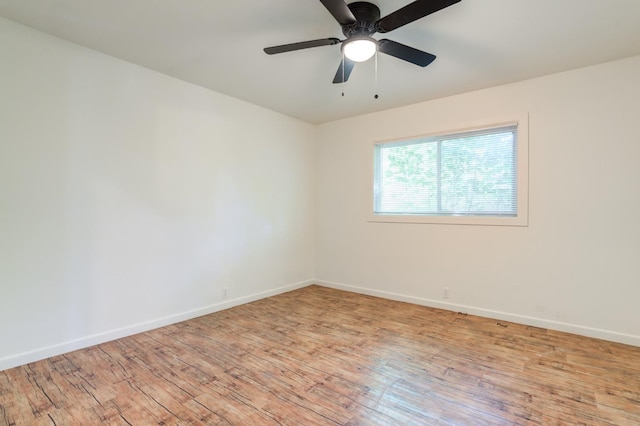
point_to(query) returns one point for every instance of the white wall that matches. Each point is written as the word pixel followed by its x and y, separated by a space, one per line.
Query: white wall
pixel 574 268
pixel 129 199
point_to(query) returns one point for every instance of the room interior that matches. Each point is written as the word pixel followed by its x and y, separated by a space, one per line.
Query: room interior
pixel 135 195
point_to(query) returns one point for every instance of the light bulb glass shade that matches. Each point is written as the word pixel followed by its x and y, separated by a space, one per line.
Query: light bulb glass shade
pixel 360 49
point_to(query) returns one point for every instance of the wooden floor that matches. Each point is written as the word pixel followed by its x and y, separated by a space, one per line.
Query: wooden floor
pixel 323 356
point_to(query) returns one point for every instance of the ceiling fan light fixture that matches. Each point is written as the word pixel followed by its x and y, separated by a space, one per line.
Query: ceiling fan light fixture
pixel 360 49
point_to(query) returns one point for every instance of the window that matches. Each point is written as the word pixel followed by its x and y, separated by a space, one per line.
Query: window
pixel 474 176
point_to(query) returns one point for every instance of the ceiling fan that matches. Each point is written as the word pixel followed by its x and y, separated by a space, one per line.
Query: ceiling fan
pixel 359 21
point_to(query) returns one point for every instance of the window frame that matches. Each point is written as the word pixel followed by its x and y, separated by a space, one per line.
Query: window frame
pixel 522 175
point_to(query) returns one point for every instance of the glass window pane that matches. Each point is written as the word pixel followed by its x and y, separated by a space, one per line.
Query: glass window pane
pixel 470 174
pixel 409 179
pixel 478 174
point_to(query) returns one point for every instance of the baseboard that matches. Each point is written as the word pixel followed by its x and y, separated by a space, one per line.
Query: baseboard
pixel 609 335
pixel 96 339
pixel 85 342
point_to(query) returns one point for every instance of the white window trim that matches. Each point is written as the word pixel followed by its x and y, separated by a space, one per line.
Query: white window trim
pixel 522 160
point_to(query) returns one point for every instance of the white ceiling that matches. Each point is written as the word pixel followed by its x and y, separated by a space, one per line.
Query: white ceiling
pixel 218 45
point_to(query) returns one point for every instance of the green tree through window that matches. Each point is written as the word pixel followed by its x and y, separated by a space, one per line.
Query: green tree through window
pixel 472 173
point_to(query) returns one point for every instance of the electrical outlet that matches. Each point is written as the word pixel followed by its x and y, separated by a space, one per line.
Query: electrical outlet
pixel 225 292
pixel 446 293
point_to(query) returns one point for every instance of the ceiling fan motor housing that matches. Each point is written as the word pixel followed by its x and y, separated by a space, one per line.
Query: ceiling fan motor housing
pixel 367 14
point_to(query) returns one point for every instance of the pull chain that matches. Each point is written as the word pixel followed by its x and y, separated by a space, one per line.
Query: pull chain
pixel 376 75
pixel 343 74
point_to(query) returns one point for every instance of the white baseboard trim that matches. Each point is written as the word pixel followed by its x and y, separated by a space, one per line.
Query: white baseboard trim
pixel 95 339
pixel 609 335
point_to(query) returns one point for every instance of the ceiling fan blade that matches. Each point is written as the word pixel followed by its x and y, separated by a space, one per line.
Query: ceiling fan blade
pixel 341 76
pixel 340 11
pixel 301 45
pixel 404 52
pixel 411 12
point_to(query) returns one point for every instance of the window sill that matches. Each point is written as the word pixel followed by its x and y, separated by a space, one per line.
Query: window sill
pixel 520 220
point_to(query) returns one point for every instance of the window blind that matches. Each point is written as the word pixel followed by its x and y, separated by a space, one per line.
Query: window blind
pixel 469 173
